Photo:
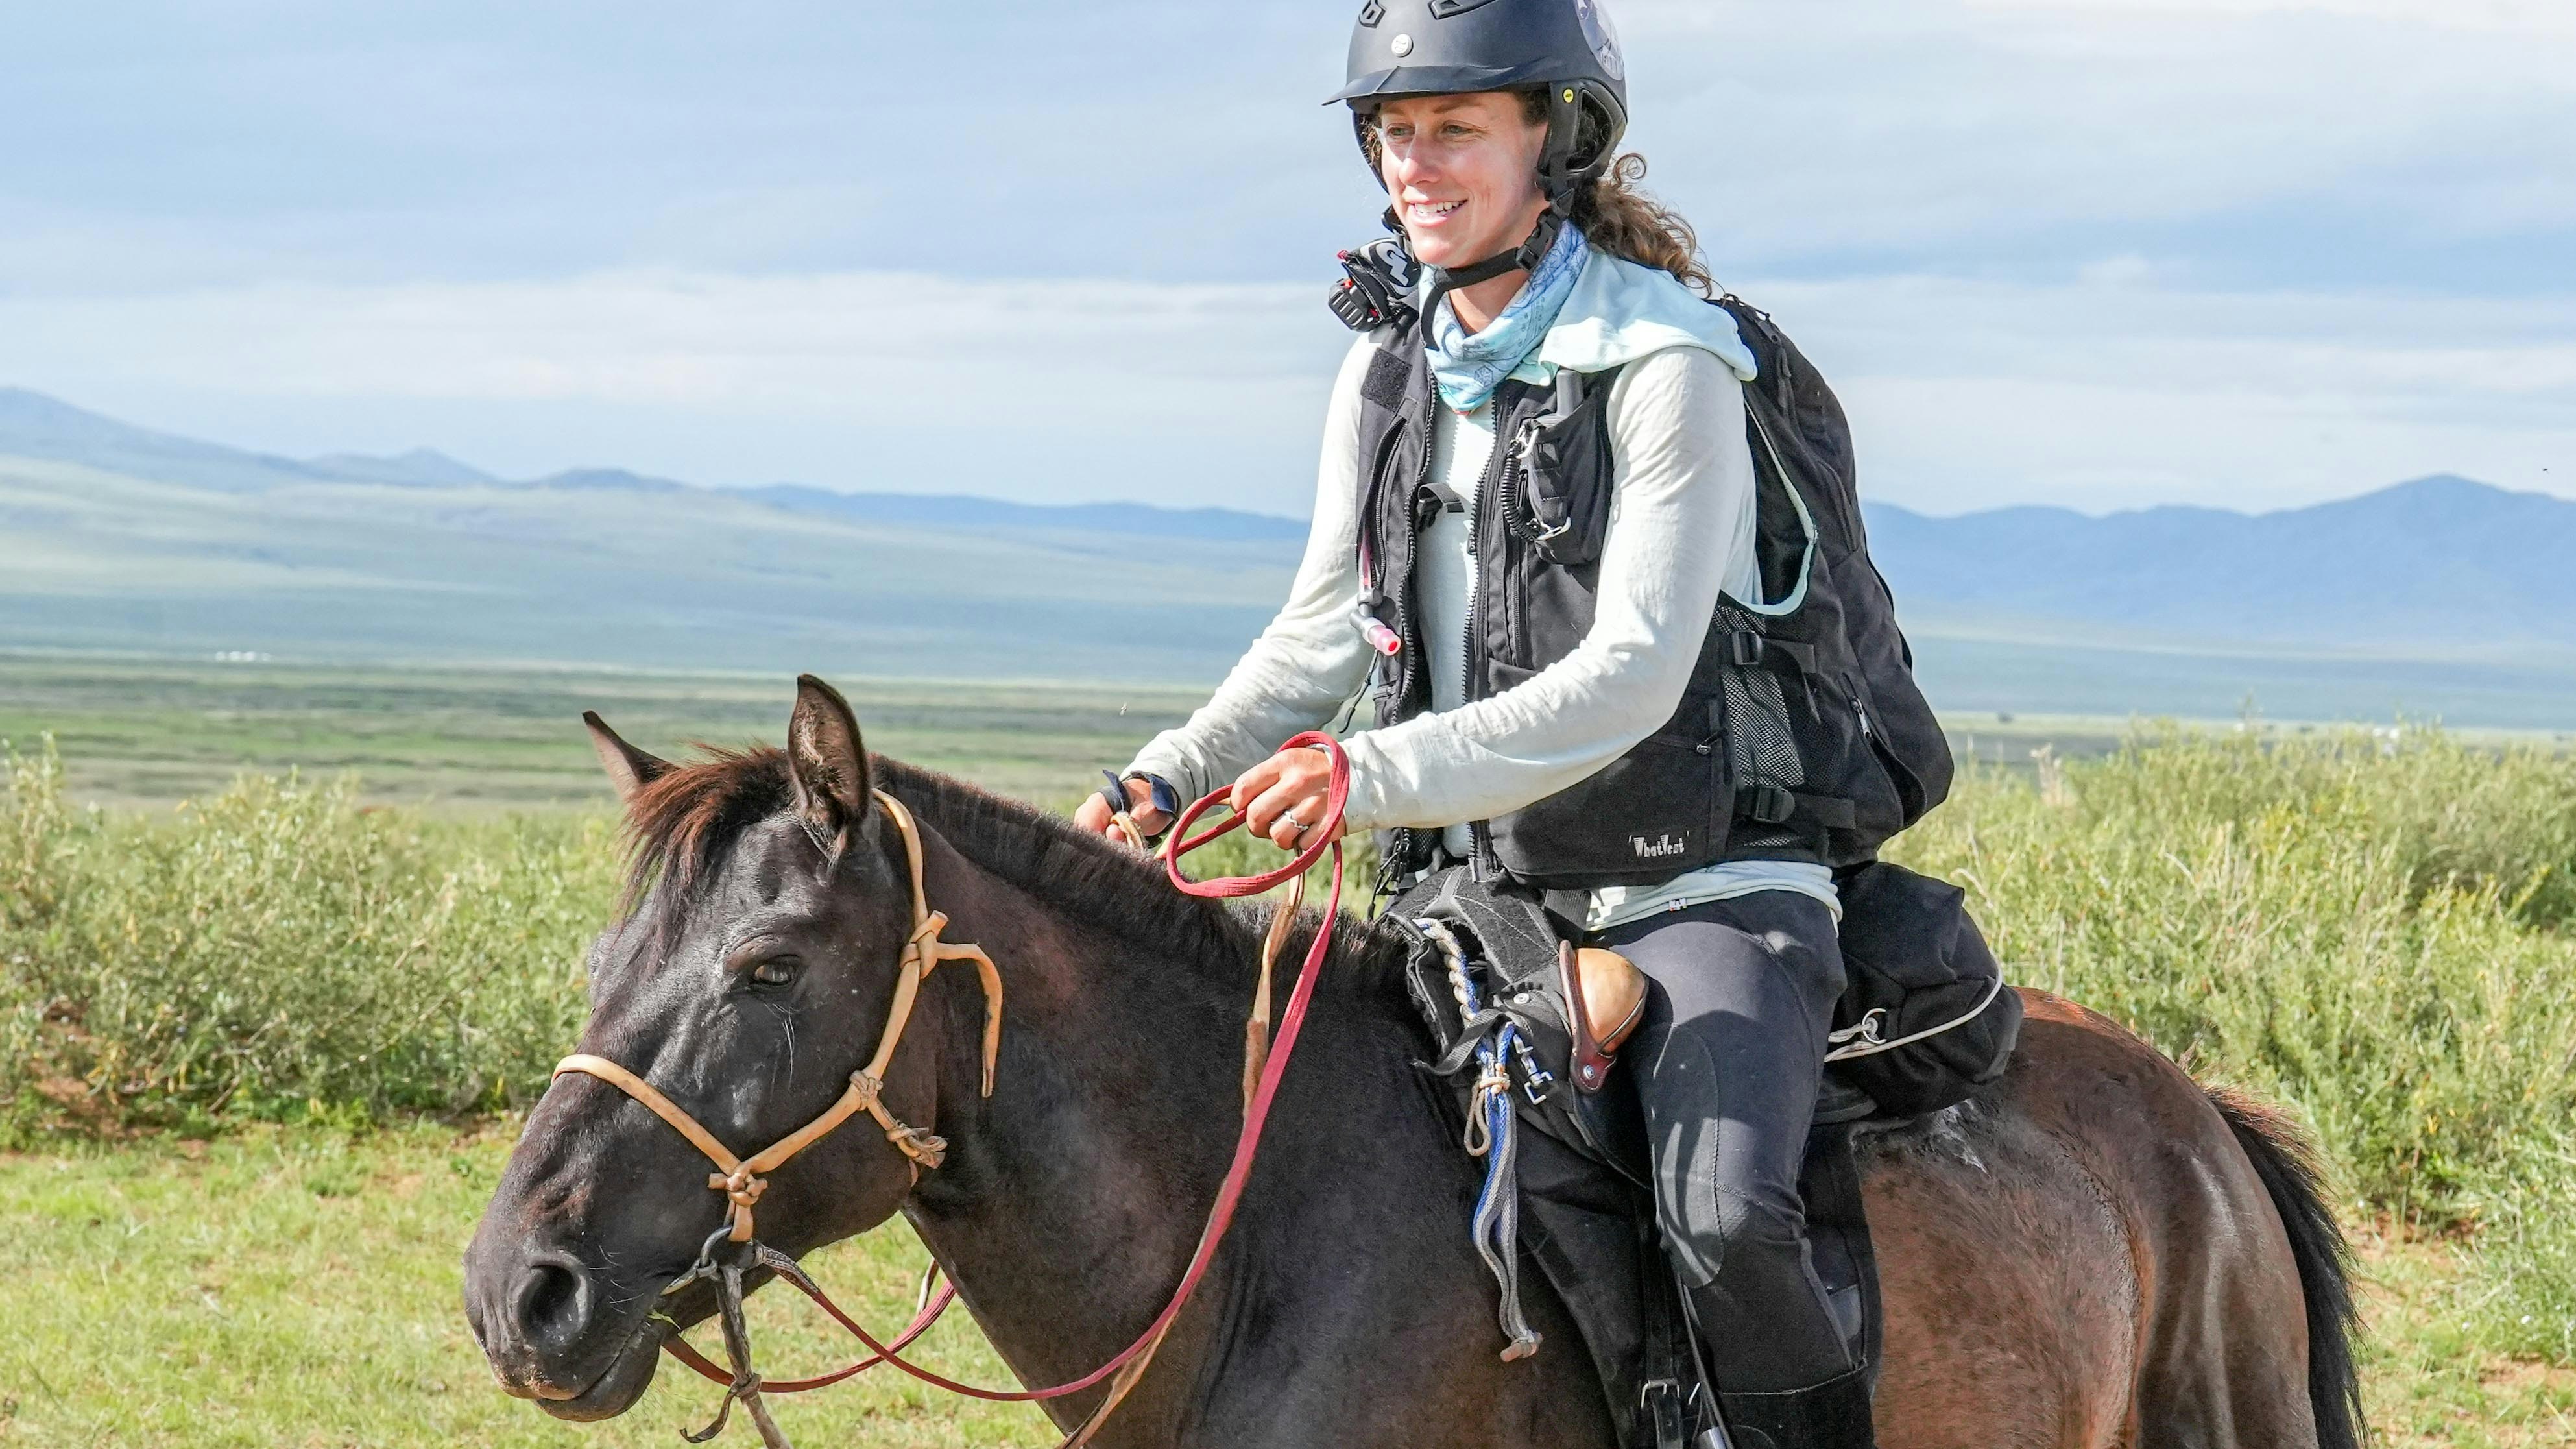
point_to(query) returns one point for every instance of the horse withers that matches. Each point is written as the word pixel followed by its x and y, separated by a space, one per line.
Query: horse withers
pixel 2094 1251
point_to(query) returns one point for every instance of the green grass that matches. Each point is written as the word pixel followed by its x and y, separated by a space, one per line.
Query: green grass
pixel 300 1287
pixel 2429 1376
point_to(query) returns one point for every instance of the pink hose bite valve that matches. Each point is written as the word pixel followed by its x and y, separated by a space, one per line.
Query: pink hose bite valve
pixel 1380 638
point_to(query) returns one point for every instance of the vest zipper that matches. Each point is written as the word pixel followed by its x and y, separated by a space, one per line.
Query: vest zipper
pixel 1475 591
pixel 1408 627
pixel 1510 497
pixel 1491 493
pixel 1408 631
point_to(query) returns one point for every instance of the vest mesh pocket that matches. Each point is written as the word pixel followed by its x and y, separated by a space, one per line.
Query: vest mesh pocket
pixel 1761 748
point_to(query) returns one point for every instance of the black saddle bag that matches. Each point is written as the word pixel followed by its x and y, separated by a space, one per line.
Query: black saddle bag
pixel 1925 1017
pixel 1512 938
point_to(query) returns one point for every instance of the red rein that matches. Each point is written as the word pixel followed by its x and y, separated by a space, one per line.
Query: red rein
pixel 1256 1115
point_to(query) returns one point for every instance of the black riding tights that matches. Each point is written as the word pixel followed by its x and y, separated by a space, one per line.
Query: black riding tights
pixel 1728 1061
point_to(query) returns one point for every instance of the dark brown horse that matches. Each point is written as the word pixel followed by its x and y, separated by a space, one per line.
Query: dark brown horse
pixel 2095 1251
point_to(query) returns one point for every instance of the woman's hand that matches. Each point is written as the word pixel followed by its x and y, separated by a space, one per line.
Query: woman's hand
pixel 1282 798
pixel 1095 818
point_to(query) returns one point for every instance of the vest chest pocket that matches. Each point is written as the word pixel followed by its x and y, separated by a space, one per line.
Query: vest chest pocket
pixel 1555 486
pixel 1658 810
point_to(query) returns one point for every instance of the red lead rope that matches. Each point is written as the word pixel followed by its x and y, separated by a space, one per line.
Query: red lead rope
pixel 1256 1113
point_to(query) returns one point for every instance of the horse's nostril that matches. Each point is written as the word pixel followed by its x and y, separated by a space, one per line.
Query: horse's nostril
pixel 554 1303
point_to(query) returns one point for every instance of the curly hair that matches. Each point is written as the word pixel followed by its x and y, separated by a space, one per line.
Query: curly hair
pixel 1618 217
pixel 1612 211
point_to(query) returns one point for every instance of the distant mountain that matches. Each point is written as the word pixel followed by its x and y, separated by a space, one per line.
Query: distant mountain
pixel 2439 596
pixel 953 511
pixel 116 537
pixel 33 425
pixel 2439 567
pixel 419 468
pixel 609 480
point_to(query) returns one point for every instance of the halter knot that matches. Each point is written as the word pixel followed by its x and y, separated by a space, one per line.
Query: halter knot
pixel 930 927
pixel 741 1186
pixel 927 1148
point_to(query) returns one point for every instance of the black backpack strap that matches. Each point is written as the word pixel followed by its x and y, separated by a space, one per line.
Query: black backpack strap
pixel 1772 805
pixel 1749 647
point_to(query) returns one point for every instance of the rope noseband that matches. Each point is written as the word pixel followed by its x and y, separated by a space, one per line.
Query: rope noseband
pixel 741 1180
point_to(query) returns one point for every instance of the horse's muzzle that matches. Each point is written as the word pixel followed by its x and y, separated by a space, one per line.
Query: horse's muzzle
pixel 549 1334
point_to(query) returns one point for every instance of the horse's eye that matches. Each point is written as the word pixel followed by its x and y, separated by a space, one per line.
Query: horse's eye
pixel 776 971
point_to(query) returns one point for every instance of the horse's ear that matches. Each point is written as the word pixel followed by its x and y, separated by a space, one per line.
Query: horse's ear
pixel 828 762
pixel 629 768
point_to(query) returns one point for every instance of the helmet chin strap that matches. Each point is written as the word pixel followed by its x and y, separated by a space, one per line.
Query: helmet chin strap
pixel 1522 258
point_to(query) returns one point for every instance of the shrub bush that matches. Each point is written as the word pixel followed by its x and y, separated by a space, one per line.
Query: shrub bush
pixel 2361 926
pixel 2377 929
pixel 278 950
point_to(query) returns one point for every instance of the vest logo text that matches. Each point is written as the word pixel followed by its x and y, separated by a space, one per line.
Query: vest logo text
pixel 1657 848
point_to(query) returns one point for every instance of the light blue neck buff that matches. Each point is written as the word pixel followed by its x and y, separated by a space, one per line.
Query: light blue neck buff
pixel 1469 367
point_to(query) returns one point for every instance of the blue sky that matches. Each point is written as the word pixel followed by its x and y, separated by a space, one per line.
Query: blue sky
pixel 2105 253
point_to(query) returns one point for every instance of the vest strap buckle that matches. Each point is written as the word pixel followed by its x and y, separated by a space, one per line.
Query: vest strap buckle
pixel 1768 804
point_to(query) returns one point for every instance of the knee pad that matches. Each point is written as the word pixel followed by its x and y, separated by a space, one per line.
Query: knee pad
pixel 1715 1235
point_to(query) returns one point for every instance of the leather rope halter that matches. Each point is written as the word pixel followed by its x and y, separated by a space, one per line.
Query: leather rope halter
pixel 741 1181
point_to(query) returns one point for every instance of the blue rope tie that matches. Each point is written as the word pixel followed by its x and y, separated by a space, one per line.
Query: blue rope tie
pixel 1496 1225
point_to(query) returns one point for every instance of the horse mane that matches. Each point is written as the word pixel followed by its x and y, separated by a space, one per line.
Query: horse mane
pixel 681 825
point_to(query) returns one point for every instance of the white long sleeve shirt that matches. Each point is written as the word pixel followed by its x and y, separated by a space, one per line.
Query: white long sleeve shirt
pixel 1681 529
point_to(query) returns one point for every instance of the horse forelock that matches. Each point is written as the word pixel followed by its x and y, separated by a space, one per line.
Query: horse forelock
pixel 681 826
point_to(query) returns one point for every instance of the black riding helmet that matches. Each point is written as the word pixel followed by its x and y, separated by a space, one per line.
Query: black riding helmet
pixel 1458 47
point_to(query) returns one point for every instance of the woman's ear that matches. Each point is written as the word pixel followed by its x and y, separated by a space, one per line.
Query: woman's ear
pixel 828 763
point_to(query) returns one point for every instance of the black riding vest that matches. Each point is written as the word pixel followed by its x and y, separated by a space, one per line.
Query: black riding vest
pixel 1767 757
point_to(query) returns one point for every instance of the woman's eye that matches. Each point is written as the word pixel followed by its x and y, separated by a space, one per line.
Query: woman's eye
pixel 776 971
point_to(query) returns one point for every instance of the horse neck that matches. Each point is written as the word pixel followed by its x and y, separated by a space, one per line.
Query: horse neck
pixel 1073 1196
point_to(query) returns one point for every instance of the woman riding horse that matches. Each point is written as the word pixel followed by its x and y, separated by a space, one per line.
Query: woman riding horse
pixel 1493 129
pixel 2092 1252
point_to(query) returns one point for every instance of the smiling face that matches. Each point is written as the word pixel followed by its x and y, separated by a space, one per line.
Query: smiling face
pixel 1462 172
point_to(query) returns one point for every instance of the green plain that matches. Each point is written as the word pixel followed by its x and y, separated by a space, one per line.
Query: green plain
pixel 146 731
pixel 260 1050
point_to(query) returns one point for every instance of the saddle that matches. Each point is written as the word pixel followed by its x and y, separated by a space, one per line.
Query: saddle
pixel 1505 990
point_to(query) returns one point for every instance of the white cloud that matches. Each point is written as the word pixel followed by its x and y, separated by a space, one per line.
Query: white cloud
pixel 2544 18
pixel 2124 388
pixel 917 347
pixel 2104 394
pixel 1960 136
pixel 1040 389
pixel 2103 251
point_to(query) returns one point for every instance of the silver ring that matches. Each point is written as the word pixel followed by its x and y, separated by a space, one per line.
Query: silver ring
pixel 1302 826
